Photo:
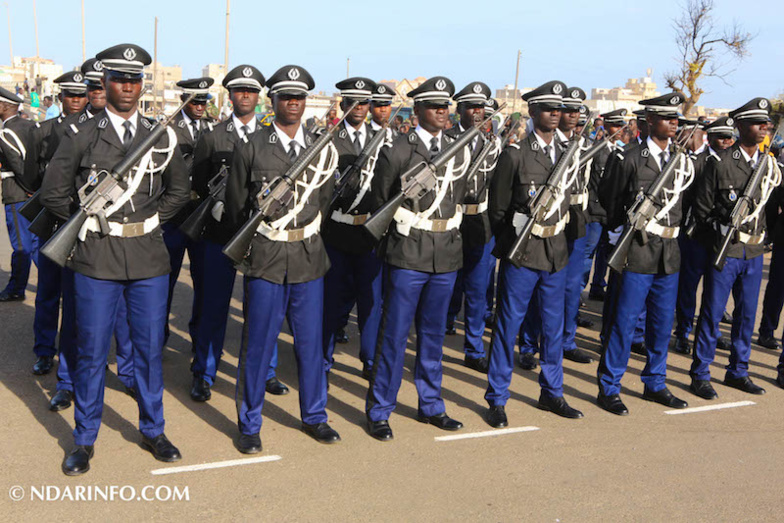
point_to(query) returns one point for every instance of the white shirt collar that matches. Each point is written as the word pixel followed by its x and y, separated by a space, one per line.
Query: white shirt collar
pixel 656 150
pixel 748 158
pixel 544 144
pixel 238 125
pixel 352 132
pixel 189 123
pixel 703 147
pixel 374 125
pixel 117 122
pixel 285 141
pixel 427 138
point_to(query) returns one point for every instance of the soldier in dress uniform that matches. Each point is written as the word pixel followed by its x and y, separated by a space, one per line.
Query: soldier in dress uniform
pixel 422 252
pixel 695 259
pixel 723 181
pixel 284 271
pixel 92 69
pixel 214 150
pixel 130 261
pixel 188 124
pixel 523 168
pixel 19 173
pixel 773 301
pixel 355 272
pixel 381 109
pixel 649 280
pixel 478 242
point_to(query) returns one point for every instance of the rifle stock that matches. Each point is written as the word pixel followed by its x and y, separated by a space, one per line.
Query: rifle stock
pixel 32 207
pixel 193 226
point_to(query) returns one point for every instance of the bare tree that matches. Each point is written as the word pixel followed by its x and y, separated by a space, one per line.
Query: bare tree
pixel 704 50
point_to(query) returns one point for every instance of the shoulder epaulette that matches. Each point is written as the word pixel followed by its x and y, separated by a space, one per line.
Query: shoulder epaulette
pixel 74 129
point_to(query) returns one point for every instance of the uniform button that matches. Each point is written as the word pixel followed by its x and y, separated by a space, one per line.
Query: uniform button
pixel 125 220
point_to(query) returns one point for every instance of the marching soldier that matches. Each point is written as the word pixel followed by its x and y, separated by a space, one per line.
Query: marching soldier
pixel 521 170
pixel 381 109
pixel 355 270
pixel 650 277
pixel 215 149
pixel 773 301
pixel 130 261
pixel 92 70
pixel 723 182
pixel 478 242
pixel 284 271
pixel 422 252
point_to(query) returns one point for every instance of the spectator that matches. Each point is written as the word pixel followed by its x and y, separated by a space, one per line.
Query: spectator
pixel 414 121
pixel 332 118
pixel 26 88
pixel 38 83
pixel 52 111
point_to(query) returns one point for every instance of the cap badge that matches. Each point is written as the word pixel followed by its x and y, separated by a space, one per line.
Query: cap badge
pixel 360 84
pixel 675 100
pixel 129 54
pixel 77 77
pixel 98 65
pixel 477 88
pixel 293 73
pixel 583 109
pixel 441 85
pixel 763 104
pixel 382 89
pixel 557 88
pixel 730 121
pixel 575 94
pixel 202 85
pixel 247 72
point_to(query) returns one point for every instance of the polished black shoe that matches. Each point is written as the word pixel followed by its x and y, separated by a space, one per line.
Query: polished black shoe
pixel 450 329
pixel 612 404
pixel 7 295
pixel 380 430
pixel 249 443
pixel 200 389
pixel 664 397
pixel 769 342
pixel 442 421
pixel 43 365
pixel 597 294
pixel 723 343
pixel 78 460
pixel 477 364
pixel 131 391
pixel 527 361
pixel 341 336
pixel 161 448
pixel 367 371
pixel 583 322
pixel 703 389
pixel 61 400
pixel 496 417
pixel 726 318
pixel 577 356
pixel 639 348
pixel 745 384
pixel 681 346
pixel 780 379
pixel 276 388
pixel 321 432
pixel 558 406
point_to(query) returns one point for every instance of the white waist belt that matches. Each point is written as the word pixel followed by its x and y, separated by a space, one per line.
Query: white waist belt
pixel 6 174
pixel 579 199
pixel 291 235
pixel 751 239
pixel 472 209
pixel 542 231
pixel 661 231
pixel 124 230
pixel 349 219
pixel 406 219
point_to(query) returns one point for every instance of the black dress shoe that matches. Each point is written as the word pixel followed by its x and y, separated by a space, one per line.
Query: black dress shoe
pixel 558 406
pixel 131 391
pixel 7 295
pixel 723 343
pixel 577 356
pixel 321 432
pixel 61 400
pixel 780 379
pixel 703 389
pixel 745 384
pixel 161 448
pixel 612 404
pixel 442 421
pixel 769 342
pixel 78 460
pixel 681 346
pixel 664 397
pixel 450 329
pixel 527 361
pixel 43 365
pixel 380 430
pixel 200 389
pixel 583 322
pixel 496 417
pixel 341 336
pixel 367 371
pixel 639 348
pixel 597 294
pixel 477 364
pixel 249 443
pixel 726 318
pixel 276 388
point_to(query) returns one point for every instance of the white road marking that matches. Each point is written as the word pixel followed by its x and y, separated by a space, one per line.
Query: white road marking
pixel 487 433
pixel 710 407
pixel 214 465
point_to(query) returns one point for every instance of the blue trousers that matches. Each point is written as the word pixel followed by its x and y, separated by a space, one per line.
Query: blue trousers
pixel 774 293
pixel 608 309
pixel 695 260
pixel 473 287
pixel 593 234
pixel 352 278
pixel 656 294
pixel 47 307
pixel 177 243
pixel 265 305
pixel 25 247
pixel 600 262
pixel 408 296
pixel 517 288
pixel 214 315
pixel 97 304
pixel 743 278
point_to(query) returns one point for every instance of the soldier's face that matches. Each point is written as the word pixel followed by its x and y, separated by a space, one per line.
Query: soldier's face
pixel 288 108
pixel 432 118
pixel 73 104
pixel 569 120
pixel 195 110
pixel 358 114
pixel 546 120
pixel 719 143
pixel 662 128
pixel 123 93
pixel 612 129
pixel 380 113
pixel 244 100
pixel 471 114
pixel 97 97
pixel 752 132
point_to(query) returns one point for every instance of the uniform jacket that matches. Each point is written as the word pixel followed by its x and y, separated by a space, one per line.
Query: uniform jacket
pixel 577 216
pixel 187 144
pixel 96 147
pixel 22 161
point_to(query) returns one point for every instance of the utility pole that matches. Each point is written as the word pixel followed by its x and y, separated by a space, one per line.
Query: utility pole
pixel 517 73
pixel 155 71
pixel 35 21
pixel 10 40
pixel 226 51
pixel 84 48
pixel 348 64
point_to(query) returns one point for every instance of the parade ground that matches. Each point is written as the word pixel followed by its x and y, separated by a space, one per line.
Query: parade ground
pixel 719 460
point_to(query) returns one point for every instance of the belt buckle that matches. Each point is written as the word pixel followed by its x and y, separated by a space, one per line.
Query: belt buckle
pixel 471 209
pixel 132 230
pixel 296 235
pixel 548 231
pixel 360 219
pixel 439 225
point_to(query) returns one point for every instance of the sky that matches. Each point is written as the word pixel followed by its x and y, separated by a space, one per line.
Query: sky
pixel 599 43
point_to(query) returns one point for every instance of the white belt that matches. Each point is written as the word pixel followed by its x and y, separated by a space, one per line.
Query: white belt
pixel 751 239
pixel 661 231
pixel 580 199
pixel 542 231
pixel 406 219
pixel 6 174
pixel 291 235
pixel 472 209
pixel 124 230
pixel 349 219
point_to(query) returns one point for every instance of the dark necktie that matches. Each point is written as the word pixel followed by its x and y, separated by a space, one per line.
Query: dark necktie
pixel 128 135
pixel 547 153
pixel 245 130
pixel 195 125
pixel 662 159
pixel 293 151
pixel 357 144
pixel 433 147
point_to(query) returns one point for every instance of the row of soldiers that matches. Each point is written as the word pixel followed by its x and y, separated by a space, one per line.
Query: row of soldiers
pixel 456 200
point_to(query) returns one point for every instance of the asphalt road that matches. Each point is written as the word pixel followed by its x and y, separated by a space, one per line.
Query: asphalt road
pixel 650 466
